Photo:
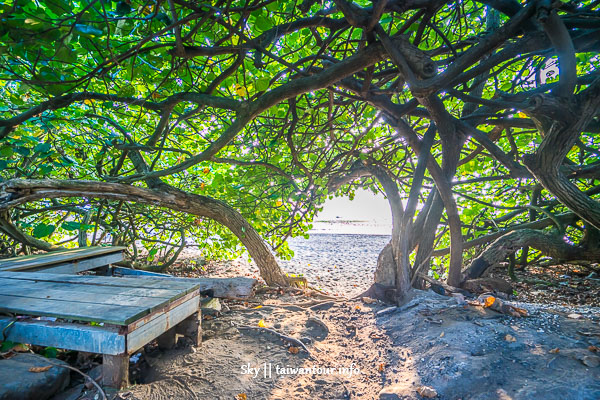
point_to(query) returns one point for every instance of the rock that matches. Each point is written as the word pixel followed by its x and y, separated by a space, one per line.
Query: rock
pixel 210 305
pixel 70 394
pixel 574 316
pixel 459 298
pixel 397 392
pixel 96 374
pixel 19 383
pixel 591 361
pixel 426 391
pixel 385 274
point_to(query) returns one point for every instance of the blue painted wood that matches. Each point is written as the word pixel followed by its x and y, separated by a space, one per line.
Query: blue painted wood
pixel 137 272
pixel 92 339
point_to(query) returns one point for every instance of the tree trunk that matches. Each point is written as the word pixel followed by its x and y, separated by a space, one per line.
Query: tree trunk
pixel 16 191
pixel 550 245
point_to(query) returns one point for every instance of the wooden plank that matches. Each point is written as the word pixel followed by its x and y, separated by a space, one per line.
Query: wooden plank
pixel 56 257
pixel 92 339
pixel 111 314
pixel 167 340
pixel 73 296
pixel 41 286
pixel 80 265
pixel 135 282
pixel 191 327
pixel 140 334
pixel 115 371
pixel 222 287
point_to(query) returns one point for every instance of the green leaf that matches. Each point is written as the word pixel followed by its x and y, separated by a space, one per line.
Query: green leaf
pixel 262 84
pixel 50 352
pixel 71 225
pixel 42 148
pixel 43 230
pixel 263 23
pixel 6 151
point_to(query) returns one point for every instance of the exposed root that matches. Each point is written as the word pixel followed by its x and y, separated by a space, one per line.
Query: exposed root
pixel 281 336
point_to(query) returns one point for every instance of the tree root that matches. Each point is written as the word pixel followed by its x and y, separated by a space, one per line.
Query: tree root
pixel 281 336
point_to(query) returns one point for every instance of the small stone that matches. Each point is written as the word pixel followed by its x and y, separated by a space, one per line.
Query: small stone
pixel 574 316
pixel 510 338
pixel 591 361
pixel 397 391
pixel 427 391
pixel 368 300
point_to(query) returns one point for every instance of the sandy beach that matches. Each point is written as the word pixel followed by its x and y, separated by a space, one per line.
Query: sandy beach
pixel 339 257
pixel 337 263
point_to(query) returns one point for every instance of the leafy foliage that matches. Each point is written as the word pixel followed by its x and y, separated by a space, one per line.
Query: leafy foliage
pixel 236 101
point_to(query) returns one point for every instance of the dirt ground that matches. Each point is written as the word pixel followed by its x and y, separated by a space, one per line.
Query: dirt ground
pixel 461 351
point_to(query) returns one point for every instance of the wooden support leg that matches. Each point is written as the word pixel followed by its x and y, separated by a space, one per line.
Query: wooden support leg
pixel 115 371
pixel 191 327
pixel 167 340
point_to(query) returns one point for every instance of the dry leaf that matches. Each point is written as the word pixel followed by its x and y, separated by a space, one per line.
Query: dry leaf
pixel 510 338
pixel 489 301
pixel 261 323
pixel 293 350
pixel 20 348
pixel 381 367
pixel 426 391
pixel 594 348
pixel 40 369
pixel 554 351
pixel 442 334
pixel 242 396
pixel 357 308
pixel 257 307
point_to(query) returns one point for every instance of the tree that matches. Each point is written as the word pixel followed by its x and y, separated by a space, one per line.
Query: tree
pixel 267 107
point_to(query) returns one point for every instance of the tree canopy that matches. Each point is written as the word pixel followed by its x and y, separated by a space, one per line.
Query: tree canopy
pixel 154 121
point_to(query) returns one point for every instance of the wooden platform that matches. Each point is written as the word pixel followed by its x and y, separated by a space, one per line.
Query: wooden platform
pixel 127 314
pixel 69 261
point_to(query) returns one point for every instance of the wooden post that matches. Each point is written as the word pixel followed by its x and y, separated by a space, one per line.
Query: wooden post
pixel 167 340
pixel 191 327
pixel 115 371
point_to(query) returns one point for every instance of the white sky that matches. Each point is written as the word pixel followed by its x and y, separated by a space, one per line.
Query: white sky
pixel 366 206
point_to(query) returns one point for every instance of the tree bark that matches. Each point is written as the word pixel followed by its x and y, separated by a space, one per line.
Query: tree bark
pixel 16 191
pixel 11 230
pixel 552 245
pixel 544 164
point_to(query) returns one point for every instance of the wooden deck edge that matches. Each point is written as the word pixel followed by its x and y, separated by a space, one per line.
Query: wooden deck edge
pixel 91 339
pixel 161 323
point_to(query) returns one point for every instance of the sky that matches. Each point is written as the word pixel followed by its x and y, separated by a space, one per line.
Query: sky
pixel 366 206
